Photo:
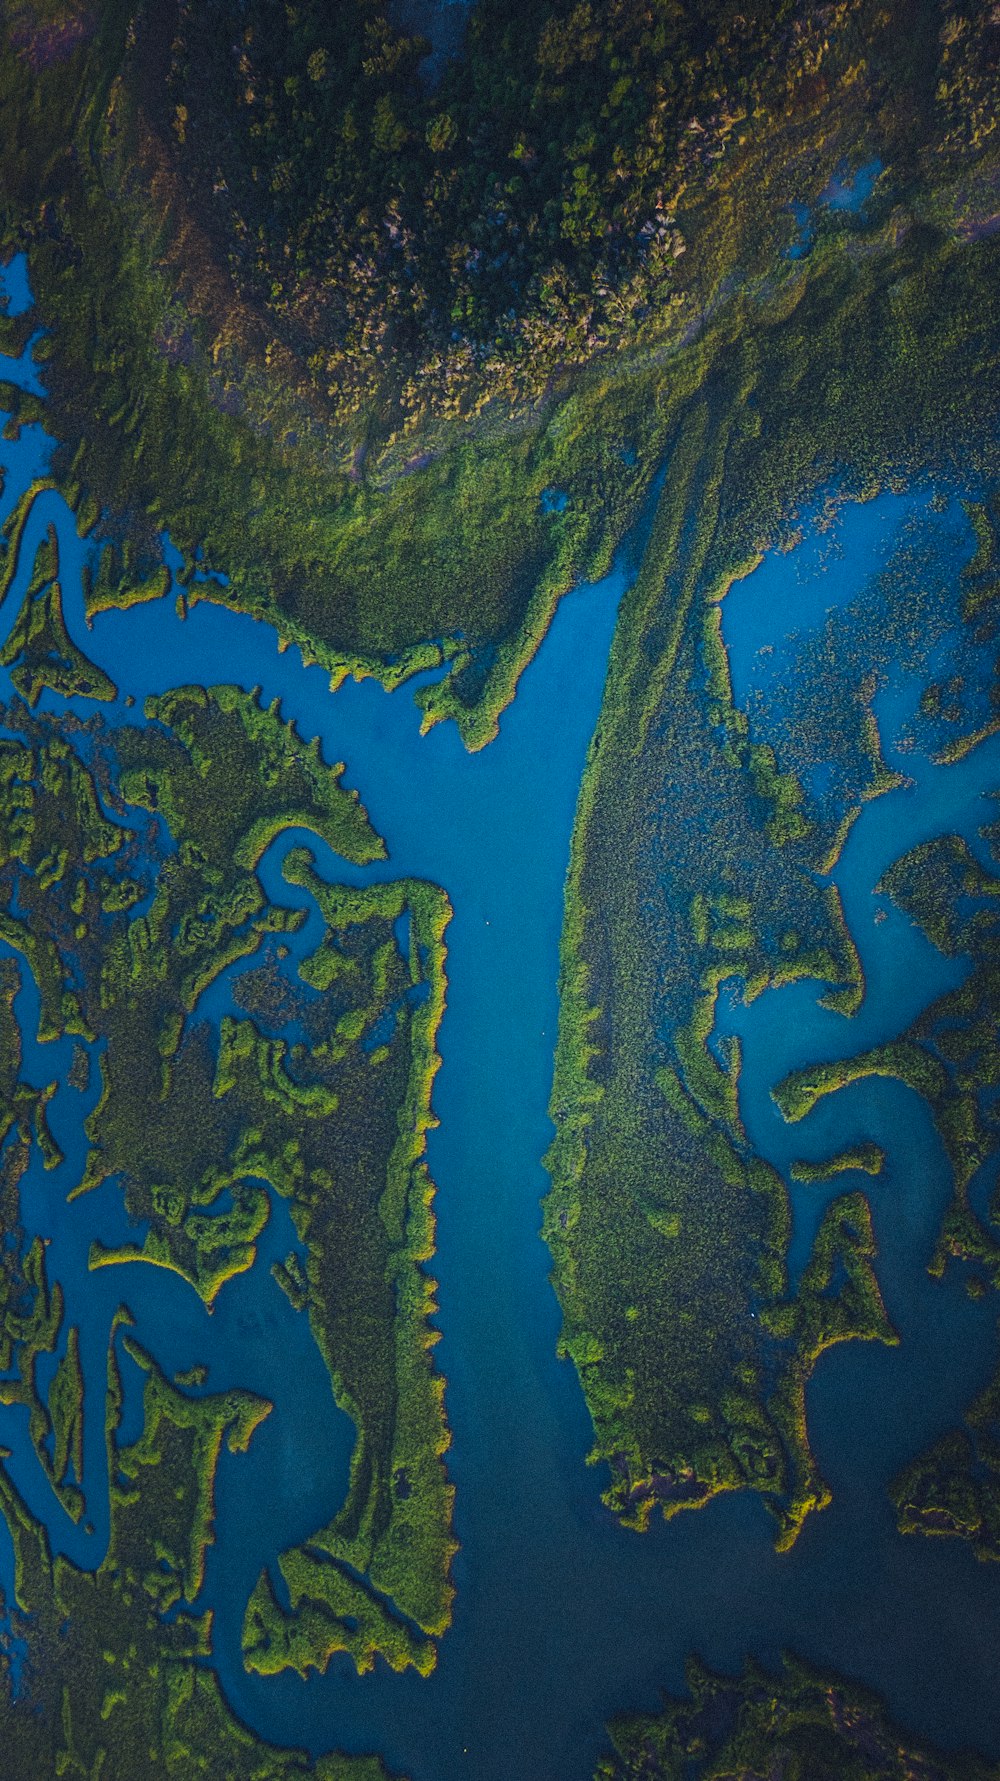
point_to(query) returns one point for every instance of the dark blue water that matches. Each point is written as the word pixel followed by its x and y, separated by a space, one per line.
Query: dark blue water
pixel 561 1617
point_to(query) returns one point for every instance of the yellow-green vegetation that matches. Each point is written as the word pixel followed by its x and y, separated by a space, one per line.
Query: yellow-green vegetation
pixel 46 561
pixel 868 1157
pixel 949 1057
pixel 200 1132
pixel 66 1412
pixel 959 728
pixel 949 1054
pixel 803 1724
pixel 901 1058
pixel 349 334
pixel 815 1320
pixel 952 1488
pixel 698 858
pixel 376 1579
pixel 116 1684
pixel 39 651
pixel 31 1311
pixel 928 883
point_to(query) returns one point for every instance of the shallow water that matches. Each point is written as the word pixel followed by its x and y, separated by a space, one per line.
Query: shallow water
pixel 561 1616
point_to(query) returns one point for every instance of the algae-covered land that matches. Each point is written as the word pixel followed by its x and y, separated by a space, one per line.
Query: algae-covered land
pixel 346 371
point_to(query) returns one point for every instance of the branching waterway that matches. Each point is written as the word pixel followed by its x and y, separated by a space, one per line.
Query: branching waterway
pixel 561 1616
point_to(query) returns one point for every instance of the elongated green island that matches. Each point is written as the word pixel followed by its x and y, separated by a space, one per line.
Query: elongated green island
pixel 701 857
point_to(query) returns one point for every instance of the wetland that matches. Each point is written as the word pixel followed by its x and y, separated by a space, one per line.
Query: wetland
pixel 499 875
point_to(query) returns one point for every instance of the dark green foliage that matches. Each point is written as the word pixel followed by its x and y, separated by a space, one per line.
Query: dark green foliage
pixel 695 860
pixel 39 651
pixel 952 1488
pixel 360 1199
pixel 801 1724
pixel 346 333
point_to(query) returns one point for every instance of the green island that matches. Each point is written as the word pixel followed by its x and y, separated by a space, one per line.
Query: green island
pixel 699 854
pixel 869 1158
pixel 802 1724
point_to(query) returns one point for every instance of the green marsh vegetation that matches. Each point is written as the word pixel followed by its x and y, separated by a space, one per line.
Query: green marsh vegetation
pixel 952 1488
pixel 405 365
pixel 39 650
pixel 803 1724
pixel 115 1682
pixel 698 858
pixel 33 1321
pixel 948 1055
pixel 372 1328
pixel 128 883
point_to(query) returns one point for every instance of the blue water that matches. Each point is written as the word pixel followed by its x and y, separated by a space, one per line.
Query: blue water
pixel 15 286
pixel 561 1618
pixel 766 615
pixel 800 247
pixel 851 192
pixel 553 501
pixel 845 193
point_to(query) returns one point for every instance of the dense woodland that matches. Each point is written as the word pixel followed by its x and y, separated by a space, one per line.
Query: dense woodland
pixel 339 314
pixel 523 211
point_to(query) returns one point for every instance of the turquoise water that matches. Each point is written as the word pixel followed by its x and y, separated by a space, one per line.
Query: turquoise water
pixel 561 1618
